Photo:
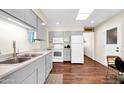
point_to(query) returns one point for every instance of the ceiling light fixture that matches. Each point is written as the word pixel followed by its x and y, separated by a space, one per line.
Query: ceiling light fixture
pixel 85 11
pixel 92 22
pixel 18 23
pixel 43 24
pixel 83 14
pixel 57 23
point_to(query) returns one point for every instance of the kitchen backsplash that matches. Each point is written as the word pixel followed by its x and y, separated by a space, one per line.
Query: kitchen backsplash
pixel 10 32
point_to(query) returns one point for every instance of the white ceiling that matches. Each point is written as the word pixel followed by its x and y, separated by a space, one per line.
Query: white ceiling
pixel 101 15
pixel 67 18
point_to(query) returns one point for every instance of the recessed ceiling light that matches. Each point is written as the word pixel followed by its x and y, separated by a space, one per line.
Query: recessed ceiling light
pixel 43 24
pixel 85 11
pixel 18 23
pixel 82 16
pixel 57 23
pixel 92 22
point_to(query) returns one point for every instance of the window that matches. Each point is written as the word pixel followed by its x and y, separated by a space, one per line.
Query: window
pixel 112 36
pixel 31 36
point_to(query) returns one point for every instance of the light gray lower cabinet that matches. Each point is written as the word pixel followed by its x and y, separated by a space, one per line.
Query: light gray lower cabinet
pixel 67 54
pixel 41 71
pixel 31 79
pixel 48 64
pixel 31 74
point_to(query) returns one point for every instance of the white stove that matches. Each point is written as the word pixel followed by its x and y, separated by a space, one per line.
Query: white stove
pixel 57 50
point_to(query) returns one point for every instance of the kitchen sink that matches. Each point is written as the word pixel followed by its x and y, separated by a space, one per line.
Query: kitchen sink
pixel 30 55
pixel 15 60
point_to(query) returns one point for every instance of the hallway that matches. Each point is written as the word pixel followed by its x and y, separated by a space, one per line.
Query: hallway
pixel 90 73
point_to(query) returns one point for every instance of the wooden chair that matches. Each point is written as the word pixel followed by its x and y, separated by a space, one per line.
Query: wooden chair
pixel 111 63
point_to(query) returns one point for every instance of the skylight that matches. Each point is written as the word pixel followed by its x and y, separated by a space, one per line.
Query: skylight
pixel 83 14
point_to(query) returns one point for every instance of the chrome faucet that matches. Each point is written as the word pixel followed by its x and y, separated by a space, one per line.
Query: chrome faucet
pixel 14 49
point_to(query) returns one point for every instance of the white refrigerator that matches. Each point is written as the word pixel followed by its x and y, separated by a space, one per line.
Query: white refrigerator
pixel 77 49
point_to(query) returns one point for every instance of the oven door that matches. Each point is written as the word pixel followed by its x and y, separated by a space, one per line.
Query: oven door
pixel 58 55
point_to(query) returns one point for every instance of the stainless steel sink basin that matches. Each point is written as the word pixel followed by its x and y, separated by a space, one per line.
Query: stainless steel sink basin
pixel 30 55
pixel 15 60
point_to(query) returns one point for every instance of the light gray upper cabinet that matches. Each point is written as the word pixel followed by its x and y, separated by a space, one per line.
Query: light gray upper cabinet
pixel 66 36
pixel 18 13
pixel 41 33
pixel 30 17
pixel 51 37
pixel 76 33
pixel 26 15
pixel 58 34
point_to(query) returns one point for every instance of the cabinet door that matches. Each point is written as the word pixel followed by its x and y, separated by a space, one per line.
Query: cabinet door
pixel 31 79
pixel 30 17
pixel 66 36
pixel 57 34
pixel 67 55
pixel 7 80
pixel 41 33
pixel 20 75
pixel 18 13
pixel 76 33
pixel 48 64
pixel 50 37
pixel 41 70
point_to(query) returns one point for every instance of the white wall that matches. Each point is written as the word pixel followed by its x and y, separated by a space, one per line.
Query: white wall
pixel 100 36
pixel 89 44
pixel 10 32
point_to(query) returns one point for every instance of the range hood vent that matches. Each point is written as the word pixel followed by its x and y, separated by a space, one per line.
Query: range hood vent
pixel 39 39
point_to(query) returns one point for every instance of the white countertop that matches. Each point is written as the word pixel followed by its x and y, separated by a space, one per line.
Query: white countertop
pixel 6 69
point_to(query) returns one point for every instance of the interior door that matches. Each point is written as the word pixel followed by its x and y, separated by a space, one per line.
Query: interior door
pixel 113 42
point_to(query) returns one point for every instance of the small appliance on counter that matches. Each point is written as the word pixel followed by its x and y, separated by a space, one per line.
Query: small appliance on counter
pixel 67 46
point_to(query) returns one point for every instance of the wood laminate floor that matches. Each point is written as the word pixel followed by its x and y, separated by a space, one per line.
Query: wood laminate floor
pixel 90 72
